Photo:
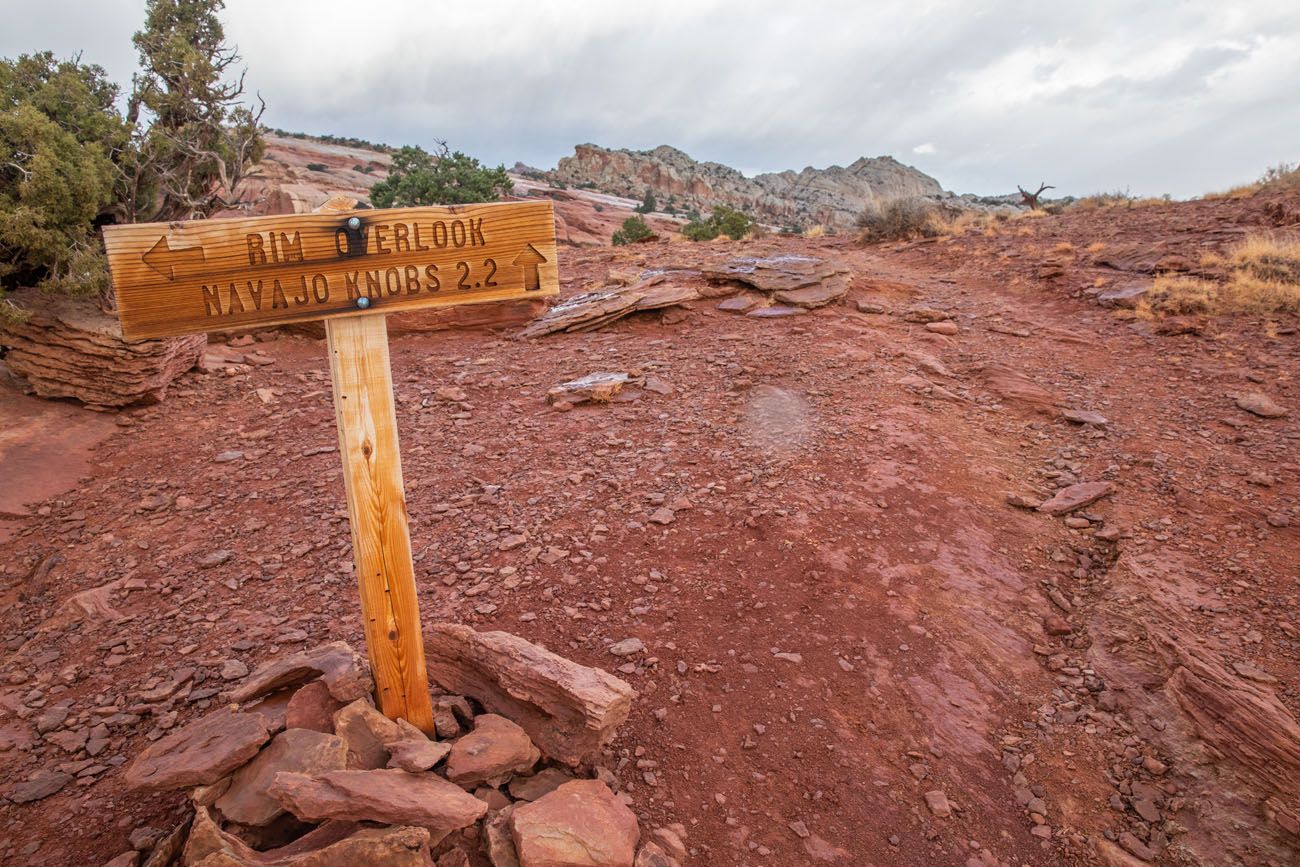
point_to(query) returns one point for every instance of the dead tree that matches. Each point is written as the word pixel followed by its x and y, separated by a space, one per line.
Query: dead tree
pixel 1031 199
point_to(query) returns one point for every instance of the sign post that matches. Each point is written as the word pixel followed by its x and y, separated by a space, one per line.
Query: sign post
pixel 350 268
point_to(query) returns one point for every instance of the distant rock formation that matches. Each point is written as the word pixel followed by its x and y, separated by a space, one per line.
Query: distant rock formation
pixel 831 196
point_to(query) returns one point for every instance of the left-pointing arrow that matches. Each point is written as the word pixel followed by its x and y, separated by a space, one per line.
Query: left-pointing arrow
pixel 164 259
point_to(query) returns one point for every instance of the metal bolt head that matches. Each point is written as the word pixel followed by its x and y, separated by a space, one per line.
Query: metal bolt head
pixel 363 302
pixel 354 223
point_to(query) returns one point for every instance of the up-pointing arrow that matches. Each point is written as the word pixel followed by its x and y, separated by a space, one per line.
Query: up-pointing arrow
pixel 164 259
pixel 529 259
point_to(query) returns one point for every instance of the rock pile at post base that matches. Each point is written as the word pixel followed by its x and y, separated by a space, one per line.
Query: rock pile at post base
pixel 769 287
pixel 67 347
pixel 301 770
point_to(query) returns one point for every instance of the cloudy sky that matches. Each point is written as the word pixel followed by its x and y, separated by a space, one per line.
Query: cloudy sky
pixel 1157 96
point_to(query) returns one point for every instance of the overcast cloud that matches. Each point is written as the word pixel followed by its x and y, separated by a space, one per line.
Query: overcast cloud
pixel 1163 96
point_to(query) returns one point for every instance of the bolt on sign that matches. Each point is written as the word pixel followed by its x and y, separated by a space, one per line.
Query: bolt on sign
pixel 349 268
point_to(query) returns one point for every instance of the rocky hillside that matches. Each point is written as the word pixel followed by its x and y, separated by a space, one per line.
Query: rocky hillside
pixel 831 196
pixel 299 174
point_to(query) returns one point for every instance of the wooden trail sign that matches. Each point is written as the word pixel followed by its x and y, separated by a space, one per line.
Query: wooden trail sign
pixel 349 268
pixel 216 275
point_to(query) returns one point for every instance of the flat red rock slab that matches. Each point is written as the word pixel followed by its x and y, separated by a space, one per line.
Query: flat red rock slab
pixel 389 796
pixel 579 823
pixel 776 311
pixel 1084 416
pixel 199 753
pixel 1075 497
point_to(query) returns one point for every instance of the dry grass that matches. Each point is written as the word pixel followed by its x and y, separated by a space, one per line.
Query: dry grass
pixel 1283 176
pixel 1117 199
pixel 1063 247
pixel 1263 278
pixel 900 220
pixel 817 231
pixel 1096 247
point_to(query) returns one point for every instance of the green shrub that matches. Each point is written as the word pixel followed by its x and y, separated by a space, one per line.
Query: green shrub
pixel 648 204
pixel 59 133
pixel 634 229
pixel 317 167
pixel 70 161
pixel 723 221
pixel 445 178
pixel 898 220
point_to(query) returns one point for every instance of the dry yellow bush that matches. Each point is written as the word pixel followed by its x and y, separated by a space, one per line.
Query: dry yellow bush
pixel 817 231
pixel 1282 176
pixel 1263 278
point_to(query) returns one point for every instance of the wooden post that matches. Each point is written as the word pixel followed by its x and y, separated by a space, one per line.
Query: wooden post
pixel 381 541
pixel 339 264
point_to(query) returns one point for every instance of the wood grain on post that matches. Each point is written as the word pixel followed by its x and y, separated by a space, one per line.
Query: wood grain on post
pixel 381 541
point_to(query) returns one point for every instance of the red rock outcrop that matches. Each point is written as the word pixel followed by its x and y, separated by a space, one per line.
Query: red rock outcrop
pixel 68 347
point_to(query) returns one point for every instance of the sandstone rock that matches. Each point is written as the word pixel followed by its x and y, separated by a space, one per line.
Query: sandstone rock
pixel 580 824
pixel 453 858
pixel 492 752
pixel 785 277
pixel 126 859
pixel 301 750
pixel 312 707
pixel 1013 384
pixel 367 733
pixel 70 348
pixel 42 784
pixel 1055 624
pixel 343 671
pixel 947 327
pixel 199 753
pixel 496 840
pixel 670 840
pixel 542 783
pixel 1112 855
pixel 274 708
pixel 1022 501
pixel 393 797
pixel 1260 404
pixel 653 855
pixel 937 801
pixel 834 195
pixel 743 302
pixel 1074 497
pixel 168 849
pixel 815 296
pixel 627 647
pixel 1126 296
pixel 567 709
pixel 594 309
pixel 333 844
pixel 1083 416
pixel 1243 722
pixel 925 315
pixel 776 311
pixel 416 755
pixel 598 387
pixel 1136 847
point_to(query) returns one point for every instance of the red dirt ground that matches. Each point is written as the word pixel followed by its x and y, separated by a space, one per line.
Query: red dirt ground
pixel 856 526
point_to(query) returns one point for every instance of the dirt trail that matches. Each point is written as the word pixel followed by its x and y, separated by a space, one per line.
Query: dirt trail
pixel 848 658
